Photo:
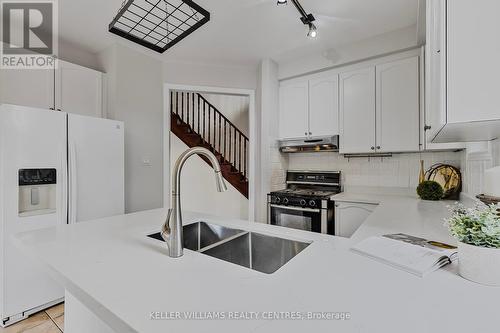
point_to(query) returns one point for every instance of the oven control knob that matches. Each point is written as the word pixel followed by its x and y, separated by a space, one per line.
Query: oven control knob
pixel 312 203
pixel 285 201
pixel 303 202
pixel 277 199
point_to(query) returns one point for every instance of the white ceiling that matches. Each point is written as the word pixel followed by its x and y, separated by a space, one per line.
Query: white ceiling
pixel 241 32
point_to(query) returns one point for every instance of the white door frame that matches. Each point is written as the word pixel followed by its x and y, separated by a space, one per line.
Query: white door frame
pixel 252 133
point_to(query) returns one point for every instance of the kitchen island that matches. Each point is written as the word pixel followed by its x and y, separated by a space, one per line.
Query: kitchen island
pixel 119 280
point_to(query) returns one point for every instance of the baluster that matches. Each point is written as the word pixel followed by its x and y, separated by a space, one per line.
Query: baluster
pixel 209 124
pixel 192 109
pixel 235 149
pixel 187 109
pixel 198 113
pixel 230 145
pixel 182 106
pixel 239 155
pixel 215 132
pixel 225 134
pixel 171 101
pixel 245 159
pixel 204 117
pixel 220 132
pixel 177 103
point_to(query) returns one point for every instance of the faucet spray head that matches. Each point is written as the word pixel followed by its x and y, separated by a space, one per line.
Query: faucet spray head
pixel 219 182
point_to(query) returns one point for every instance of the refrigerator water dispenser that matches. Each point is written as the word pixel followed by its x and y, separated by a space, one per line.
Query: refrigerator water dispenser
pixel 37 192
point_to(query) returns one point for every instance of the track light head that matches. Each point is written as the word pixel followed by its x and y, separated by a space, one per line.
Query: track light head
pixel 313 31
pixel 281 2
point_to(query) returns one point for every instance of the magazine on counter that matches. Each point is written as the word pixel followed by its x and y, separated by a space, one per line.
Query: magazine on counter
pixel 415 255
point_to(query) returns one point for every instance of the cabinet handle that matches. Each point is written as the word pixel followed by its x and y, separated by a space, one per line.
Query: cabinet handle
pixel 427 127
pixel 310 133
pixel 305 133
pixel 59 110
pixel 51 108
pixel 378 147
pixel 373 148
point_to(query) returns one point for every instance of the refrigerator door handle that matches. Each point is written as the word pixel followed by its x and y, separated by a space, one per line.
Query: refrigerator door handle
pixel 72 183
pixel 64 187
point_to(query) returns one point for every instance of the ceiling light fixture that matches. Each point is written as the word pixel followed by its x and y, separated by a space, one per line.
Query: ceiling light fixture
pixel 305 18
pixel 313 31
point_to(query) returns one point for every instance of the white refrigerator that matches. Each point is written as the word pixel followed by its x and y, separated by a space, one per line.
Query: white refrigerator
pixel 55 168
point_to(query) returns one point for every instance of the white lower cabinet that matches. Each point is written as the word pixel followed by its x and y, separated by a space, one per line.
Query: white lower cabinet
pixel 349 216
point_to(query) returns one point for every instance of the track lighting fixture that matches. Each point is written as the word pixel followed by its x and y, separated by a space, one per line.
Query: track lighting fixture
pixel 313 31
pixel 305 18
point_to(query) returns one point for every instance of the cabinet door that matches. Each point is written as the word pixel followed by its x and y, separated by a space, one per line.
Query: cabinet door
pixel 293 115
pixel 435 62
pixel 398 106
pixel 27 87
pixel 78 90
pixel 357 111
pixel 349 216
pixel 324 106
pixel 473 66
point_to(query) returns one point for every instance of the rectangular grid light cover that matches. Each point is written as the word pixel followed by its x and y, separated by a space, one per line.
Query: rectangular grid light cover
pixel 158 24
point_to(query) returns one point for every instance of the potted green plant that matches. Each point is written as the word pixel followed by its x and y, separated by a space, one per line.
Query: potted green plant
pixel 478 233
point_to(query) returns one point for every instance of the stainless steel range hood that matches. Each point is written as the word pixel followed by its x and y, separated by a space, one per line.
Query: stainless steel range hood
pixel 317 144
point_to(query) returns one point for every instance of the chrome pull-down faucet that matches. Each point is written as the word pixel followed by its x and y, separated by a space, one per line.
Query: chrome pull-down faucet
pixel 172 228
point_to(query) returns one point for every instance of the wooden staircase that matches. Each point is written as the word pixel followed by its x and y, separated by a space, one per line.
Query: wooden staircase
pixel 198 123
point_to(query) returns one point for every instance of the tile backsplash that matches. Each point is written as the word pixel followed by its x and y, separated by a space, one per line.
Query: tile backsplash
pixel 400 170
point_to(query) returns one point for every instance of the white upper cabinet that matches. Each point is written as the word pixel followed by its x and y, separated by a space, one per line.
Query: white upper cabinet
pixel 70 88
pixel 293 116
pixel 324 105
pixel 473 66
pixel 357 111
pixel 28 87
pixel 463 70
pixel 78 90
pixel 309 106
pixel 398 106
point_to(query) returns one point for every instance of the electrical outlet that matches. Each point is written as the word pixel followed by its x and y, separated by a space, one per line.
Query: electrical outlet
pixel 146 161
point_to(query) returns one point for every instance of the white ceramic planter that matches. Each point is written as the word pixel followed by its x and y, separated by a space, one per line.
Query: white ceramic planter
pixel 479 264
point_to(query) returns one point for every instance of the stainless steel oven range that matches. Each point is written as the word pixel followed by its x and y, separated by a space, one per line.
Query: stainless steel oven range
pixel 305 204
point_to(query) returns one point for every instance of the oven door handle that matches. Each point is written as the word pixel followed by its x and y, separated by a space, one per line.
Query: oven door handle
pixel 312 210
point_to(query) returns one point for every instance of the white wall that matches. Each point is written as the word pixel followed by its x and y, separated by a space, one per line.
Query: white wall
pixel 210 76
pixel 198 191
pixel 364 49
pixel 135 96
pixel 401 170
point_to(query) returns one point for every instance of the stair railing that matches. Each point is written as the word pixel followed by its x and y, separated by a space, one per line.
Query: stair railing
pixel 204 119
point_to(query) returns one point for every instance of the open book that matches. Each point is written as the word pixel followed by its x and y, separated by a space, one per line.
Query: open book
pixel 412 254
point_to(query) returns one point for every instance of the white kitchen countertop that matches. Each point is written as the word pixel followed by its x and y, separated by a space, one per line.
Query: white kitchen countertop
pixel 399 211
pixel 112 268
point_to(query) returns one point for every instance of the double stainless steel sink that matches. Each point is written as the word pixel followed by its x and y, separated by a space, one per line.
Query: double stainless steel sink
pixel 253 250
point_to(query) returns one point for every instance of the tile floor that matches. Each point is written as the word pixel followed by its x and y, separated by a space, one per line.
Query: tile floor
pixel 48 321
